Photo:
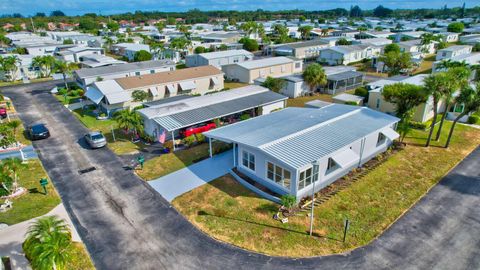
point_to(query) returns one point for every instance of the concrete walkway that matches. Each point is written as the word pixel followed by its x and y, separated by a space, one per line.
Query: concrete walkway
pixel 175 184
pixel 28 153
pixel 12 237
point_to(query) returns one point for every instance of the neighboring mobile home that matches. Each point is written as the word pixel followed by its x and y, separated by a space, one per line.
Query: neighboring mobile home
pixel 218 59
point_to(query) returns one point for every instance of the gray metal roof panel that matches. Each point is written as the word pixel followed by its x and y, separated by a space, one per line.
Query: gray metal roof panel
pixel 344 75
pixel 136 66
pixel 210 112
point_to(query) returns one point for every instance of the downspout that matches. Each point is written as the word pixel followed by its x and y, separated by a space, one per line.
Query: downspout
pixel 362 148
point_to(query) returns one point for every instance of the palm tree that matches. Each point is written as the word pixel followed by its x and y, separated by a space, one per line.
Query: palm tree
pixel 45 63
pixel 48 243
pixel 66 70
pixel 9 65
pixel 11 166
pixel 156 48
pixel 458 78
pixel 305 31
pixel 470 98
pixel 14 124
pixel 435 85
pixel 315 76
pixel 129 120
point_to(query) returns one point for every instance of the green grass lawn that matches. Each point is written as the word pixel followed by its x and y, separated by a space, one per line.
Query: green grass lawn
pixel 80 259
pixel 232 85
pixel 69 100
pixel 33 203
pixel 227 211
pixel 122 144
pixel 300 101
pixel 168 163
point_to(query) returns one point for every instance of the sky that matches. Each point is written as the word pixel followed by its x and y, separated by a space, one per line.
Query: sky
pixel 106 7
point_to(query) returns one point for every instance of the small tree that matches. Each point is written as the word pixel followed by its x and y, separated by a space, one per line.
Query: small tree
pixel 456 27
pixel 396 62
pixel 139 95
pixel 315 76
pixel 343 42
pixel 274 84
pixel 200 49
pixel 305 31
pixel 249 44
pixel 405 97
pixel 142 55
pixel 392 48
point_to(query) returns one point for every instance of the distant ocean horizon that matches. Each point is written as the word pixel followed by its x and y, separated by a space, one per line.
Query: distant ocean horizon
pixel 108 7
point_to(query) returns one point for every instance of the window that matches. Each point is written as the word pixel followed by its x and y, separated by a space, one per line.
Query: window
pixel 305 178
pixel 272 70
pixel 152 71
pixel 331 166
pixel 248 160
pixel 297 65
pixel 137 73
pixel 378 103
pixel 279 175
pixel 381 138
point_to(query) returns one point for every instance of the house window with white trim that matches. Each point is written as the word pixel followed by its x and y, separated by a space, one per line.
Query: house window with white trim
pixel 331 166
pixel 279 175
pixel 305 178
pixel 248 160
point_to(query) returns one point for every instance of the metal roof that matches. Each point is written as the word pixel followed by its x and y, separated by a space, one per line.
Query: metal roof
pixel 201 114
pixel 344 75
pixel 137 66
pixel 166 100
pixel 298 136
pixel 265 62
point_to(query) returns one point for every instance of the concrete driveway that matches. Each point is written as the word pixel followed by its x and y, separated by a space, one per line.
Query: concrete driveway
pixel 175 184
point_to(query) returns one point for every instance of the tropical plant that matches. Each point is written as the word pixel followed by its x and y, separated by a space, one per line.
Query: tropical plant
pixel 129 120
pixel 343 42
pixel 46 63
pixel 7 138
pixel 249 44
pixel 274 84
pixel 396 62
pixel 65 69
pixel 48 243
pixel 14 125
pixel 456 27
pixel 305 31
pixel 288 201
pixel 392 48
pixel 405 97
pixel 9 65
pixel 457 79
pixel 435 86
pixel 142 55
pixel 11 166
pixel 314 75
pixel 139 95
pixel 470 98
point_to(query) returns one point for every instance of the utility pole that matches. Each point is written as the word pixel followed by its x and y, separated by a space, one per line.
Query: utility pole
pixel 33 25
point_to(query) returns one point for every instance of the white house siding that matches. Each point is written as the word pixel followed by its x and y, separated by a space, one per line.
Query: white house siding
pixel 295 89
pixel 272 107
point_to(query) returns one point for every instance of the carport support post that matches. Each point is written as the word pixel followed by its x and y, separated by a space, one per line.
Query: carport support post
pixel 173 140
pixel 210 146
pixel 315 178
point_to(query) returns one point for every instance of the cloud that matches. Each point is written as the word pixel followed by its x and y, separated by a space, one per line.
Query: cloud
pixel 75 7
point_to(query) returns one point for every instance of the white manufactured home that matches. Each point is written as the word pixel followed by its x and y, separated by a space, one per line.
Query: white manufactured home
pixel 286 151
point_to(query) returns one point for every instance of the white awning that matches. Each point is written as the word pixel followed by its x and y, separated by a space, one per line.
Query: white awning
pixel 153 91
pixel 94 95
pixel 118 97
pixel 346 158
pixel 390 134
pixel 214 80
pixel 189 85
pixel 171 89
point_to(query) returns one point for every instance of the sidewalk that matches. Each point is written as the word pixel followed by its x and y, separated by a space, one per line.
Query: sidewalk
pixel 11 238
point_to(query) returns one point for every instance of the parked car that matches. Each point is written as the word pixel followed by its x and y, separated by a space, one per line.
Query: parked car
pixel 38 132
pixel 197 129
pixel 95 139
pixel 3 112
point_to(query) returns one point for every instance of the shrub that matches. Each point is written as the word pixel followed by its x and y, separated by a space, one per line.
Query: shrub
pixel 62 91
pixel 190 140
pixel 200 137
pixel 473 119
pixel 244 116
pixel 351 103
pixel 418 125
pixel 168 145
pixel 288 200
pixel 80 92
pixel 361 91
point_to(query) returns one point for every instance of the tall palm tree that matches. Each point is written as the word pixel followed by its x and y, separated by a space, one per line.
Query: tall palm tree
pixel 458 78
pixel 9 65
pixel 129 120
pixel 156 48
pixel 66 69
pixel 470 98
pixel 314 75
pixel 435 85
pixel 48 243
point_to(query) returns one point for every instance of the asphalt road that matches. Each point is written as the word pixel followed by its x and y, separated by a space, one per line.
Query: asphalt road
pixel 125 224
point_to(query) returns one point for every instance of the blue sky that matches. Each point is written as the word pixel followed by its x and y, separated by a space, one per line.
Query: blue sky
pixel 74 7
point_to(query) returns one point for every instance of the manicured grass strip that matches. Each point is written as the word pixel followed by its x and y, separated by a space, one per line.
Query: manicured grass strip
pixel 300 101
pixel 34 203
pixel 229 212
pixel 80 259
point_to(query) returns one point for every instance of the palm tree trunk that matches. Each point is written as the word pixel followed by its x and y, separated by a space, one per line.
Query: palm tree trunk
pixel 65 81
pixel 439 131
pixel 453 127
pixel 432 125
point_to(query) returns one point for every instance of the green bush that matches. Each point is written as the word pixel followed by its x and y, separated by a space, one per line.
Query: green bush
pixel 418 125
pixel 190 140
pixel 361 91
pixel 473 119
pixel 200 137
pixel 80 92
pixel 288 200
pixel 244 116
pixel 351 103
pixel 62 91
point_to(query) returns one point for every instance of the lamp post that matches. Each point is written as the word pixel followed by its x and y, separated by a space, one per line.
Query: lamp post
pixel 315 165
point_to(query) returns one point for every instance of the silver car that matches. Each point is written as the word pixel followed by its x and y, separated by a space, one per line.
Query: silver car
pixel 95 139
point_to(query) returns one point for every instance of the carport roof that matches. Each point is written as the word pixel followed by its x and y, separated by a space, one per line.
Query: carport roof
pixel 209 112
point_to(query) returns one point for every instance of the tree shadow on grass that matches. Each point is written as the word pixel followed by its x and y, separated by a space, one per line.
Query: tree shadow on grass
pixel 204 213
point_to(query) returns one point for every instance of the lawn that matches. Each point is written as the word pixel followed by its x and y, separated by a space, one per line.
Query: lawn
pixel 231 213
pixel 232 85
pixel 122 145
pixel 168 163
pixel 80 259
pixel 300 101
pixel 69 100
pixel 424 68
pixel 34 203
